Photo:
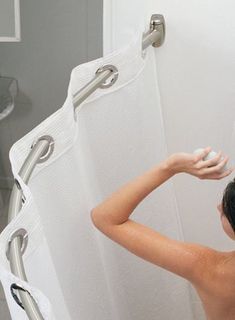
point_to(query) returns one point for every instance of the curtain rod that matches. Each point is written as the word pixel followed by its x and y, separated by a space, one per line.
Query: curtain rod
pixel 41 151
pixel 155 37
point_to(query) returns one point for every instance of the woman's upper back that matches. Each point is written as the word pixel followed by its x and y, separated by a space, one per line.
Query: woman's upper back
pixel 216 286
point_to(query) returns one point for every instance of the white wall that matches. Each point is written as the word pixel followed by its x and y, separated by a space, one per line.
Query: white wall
pixel 196 68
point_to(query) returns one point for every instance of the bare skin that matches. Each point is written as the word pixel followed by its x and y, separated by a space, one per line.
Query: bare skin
pixel 211 272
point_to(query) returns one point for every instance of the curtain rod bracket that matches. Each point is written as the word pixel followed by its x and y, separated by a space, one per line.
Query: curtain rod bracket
pixel 156 34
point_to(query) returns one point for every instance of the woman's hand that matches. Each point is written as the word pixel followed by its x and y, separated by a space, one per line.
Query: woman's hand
pixel 195 165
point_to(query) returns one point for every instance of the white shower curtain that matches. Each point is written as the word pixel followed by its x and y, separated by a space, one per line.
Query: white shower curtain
pixel 74 271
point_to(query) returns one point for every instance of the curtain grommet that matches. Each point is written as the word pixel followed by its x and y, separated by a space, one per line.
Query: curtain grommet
pixel 114 71
pixel 24 241
pixel 15 286
pixel 50 149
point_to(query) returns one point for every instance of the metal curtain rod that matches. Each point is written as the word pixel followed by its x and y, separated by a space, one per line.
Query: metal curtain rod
pixel 18 240
pixel 155 37
pixel 41 151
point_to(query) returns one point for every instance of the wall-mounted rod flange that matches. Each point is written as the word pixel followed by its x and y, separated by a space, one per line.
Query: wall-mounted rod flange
pixel 156 34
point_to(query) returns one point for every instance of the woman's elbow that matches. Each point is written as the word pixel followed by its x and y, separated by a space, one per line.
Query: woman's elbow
pixel 100 220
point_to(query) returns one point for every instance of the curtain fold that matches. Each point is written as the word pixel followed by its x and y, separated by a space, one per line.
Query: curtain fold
pixel 74 271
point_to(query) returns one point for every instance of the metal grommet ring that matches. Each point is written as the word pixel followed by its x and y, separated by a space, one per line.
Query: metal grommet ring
pixel 13 287
pixel 50 149
pixel 114 73
pixel 24 241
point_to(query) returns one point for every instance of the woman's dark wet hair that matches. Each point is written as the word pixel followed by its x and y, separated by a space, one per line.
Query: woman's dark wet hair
pixel 228 203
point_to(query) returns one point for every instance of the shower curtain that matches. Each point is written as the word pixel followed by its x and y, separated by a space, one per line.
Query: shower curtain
pixel 74 272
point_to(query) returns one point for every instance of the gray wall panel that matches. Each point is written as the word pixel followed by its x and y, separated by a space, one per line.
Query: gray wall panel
pixel 56 36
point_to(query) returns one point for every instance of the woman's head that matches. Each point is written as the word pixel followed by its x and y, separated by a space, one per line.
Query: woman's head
pixel 227 209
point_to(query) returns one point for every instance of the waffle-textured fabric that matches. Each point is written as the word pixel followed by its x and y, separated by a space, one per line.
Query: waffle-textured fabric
pixel 74 271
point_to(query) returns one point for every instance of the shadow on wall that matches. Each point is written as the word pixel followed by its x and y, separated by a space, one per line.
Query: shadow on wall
pixel 23 106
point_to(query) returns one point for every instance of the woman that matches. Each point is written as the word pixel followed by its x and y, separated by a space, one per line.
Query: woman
pixel 211 272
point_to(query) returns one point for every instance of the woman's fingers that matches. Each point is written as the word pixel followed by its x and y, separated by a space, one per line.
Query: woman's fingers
pixel 226 173
pixel 213 161
pixel 220 175
pixel 216 171
pixel 212 168
pixel 203 154
pixel 217 168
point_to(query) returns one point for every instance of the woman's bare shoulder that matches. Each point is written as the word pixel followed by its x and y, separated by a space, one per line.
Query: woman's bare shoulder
pixel 214 265
pixel 216 274
pixel 216 284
